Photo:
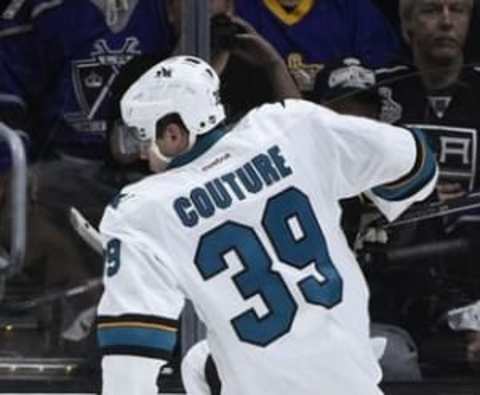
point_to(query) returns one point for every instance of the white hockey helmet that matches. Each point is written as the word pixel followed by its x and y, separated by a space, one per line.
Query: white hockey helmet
pixel 183 85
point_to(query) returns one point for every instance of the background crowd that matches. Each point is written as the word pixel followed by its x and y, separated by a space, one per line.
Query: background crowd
pixel 65 64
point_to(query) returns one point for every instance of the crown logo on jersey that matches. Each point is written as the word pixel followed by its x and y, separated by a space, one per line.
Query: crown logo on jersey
pixel 93 80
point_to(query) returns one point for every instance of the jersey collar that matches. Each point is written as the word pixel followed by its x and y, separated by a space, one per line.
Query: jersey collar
pixel 202 144
pixel 289 18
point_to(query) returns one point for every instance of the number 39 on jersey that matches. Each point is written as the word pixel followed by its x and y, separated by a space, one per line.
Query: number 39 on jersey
pixel 257 278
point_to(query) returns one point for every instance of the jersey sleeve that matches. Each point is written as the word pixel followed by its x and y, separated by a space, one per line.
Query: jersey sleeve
pixel 359 155
pixel 393 198
pixel 393 166
pixel 139 310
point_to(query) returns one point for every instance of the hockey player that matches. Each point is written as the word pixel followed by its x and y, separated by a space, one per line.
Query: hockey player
pixel 244 221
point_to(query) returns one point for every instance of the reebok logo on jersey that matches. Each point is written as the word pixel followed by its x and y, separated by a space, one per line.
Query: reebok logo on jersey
pixel 216 162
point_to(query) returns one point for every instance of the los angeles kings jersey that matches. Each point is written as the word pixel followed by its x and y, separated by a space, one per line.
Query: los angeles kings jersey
pixel 59 60
pixel 247 226
pixel 448 117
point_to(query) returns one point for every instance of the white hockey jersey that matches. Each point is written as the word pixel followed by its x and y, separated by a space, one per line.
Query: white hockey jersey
pixel 247 226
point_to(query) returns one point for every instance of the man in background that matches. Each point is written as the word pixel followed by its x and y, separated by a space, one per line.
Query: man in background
pixel 439 94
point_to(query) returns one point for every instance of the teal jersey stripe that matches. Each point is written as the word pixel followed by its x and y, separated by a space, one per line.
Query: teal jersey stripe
pixel 136 337
pixel 204 142
pixel 417 180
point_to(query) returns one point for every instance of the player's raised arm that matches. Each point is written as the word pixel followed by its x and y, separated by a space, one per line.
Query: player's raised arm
pixel 413 186
pixel 393 165
pixel 138 312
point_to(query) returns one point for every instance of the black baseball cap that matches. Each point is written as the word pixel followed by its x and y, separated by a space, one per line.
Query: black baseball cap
pixel 345 78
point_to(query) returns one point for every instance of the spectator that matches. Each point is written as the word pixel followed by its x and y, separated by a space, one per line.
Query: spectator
pixel 309 33
pixel 58 61
pixel 445 95
pixel 64 80
pixel 472 53
pixel 438 93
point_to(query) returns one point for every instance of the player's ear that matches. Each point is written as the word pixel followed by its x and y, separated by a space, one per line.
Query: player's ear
pixel 173 140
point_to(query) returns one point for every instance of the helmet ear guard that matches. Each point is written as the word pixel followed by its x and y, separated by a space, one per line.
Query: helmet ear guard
pixel 182 85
